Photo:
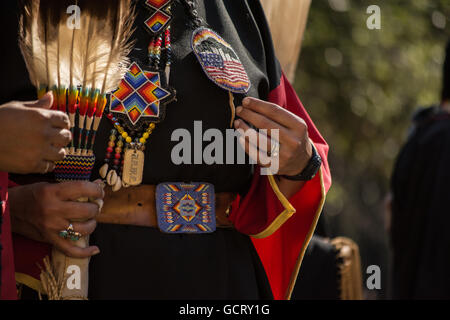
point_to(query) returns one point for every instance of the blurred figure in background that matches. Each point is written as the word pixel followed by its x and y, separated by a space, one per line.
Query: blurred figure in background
pixel 420 205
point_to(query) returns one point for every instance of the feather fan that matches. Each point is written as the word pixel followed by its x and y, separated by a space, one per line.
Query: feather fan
pixel 80 65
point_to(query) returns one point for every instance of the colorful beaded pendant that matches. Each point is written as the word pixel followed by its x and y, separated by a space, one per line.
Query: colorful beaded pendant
pixel 140 97
pixel 161 16
pixel 139 102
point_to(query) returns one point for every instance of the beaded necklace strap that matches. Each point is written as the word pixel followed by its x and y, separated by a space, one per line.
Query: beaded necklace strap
pixel 133 133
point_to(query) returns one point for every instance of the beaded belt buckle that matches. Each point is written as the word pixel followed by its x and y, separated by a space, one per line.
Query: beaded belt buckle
pixel 186 207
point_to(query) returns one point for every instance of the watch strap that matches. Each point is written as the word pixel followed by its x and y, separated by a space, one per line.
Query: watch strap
pixel 311 169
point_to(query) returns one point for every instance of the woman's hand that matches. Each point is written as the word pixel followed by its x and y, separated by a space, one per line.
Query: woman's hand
pixel 40 211
pixel 32 138
pixel 291 146
pixel 295 149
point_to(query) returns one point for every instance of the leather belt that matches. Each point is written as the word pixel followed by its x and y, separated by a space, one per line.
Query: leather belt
pixel 137 206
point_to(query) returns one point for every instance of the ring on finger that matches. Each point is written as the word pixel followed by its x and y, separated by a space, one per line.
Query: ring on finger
pixel 70 233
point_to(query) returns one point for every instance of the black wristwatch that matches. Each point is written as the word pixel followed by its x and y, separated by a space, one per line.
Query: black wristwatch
pixel 310 170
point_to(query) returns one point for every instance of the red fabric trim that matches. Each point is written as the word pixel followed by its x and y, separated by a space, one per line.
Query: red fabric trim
pixel 12 184
pixel 8 284
pixel 280 251
pixel 28 254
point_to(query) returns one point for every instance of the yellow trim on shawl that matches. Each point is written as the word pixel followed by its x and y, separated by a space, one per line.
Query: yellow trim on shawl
pixel 289 210
pixel 29 281
pixel 308 237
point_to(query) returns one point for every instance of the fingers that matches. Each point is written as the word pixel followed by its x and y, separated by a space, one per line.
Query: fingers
pixel 254 153
pixel 74 190
pixel 70 249
pixel 255 144
pixel 55 151
pixel 281 134
pixel 59 137
pixel 59 119
pixel 258 145
pixel 273 112
pixel 85 228
pixel 53 154
pixel 73 210
pixel 44 167
pixel 262 122
pixel 258 139
pixel 68 246
pixel 45 102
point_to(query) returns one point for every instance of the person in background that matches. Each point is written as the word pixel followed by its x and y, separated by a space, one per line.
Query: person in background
pixel 420 204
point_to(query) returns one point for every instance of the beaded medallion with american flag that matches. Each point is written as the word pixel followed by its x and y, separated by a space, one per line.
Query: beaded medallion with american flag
pixel 219 61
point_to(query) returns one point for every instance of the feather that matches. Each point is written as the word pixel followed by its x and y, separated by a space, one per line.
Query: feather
pixel 120 19
pixel 79 65
pixel 33 50
pixel 48 34
pixel 122 23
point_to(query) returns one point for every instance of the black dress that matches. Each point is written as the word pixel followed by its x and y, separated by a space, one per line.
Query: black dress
pixel 142 263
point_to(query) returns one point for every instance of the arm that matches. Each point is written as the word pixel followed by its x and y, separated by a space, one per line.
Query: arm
pixel 281 215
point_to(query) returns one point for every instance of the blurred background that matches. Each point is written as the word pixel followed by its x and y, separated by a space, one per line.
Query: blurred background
pixel 360 87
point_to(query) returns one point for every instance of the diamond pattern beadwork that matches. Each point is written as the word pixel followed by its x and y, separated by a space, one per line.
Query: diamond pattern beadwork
pixel 139 95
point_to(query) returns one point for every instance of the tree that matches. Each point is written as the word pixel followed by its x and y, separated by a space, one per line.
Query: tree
pixel 361 87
